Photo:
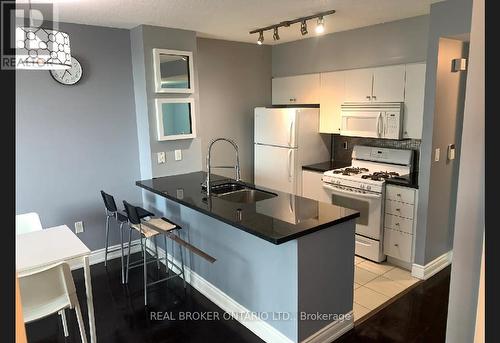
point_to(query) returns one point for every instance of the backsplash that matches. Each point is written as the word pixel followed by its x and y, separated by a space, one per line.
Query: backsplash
pixel 341 154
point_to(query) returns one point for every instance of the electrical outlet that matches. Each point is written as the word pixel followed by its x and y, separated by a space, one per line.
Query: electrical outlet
pixel 345 145
pixel 79 227
pixel 178 155
pixel 161 157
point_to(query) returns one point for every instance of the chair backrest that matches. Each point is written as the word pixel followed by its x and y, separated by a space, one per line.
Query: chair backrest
pixel 28 222
pixel 109 202
pixel 46 291
pixel 132 214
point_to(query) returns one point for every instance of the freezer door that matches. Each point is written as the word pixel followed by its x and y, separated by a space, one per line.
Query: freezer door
pixel 275 168
pixel 276 126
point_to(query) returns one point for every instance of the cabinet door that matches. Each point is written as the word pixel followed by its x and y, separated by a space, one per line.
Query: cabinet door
pixel 358 85
pixel 312 186
pixel 301 89
pixel 414 100
pixel 332 94
pixel 389 84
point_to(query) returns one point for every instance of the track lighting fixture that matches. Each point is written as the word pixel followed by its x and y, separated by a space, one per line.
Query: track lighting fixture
pixel 276 35
pixel 320 26
pixel 261 38
pixel 303 28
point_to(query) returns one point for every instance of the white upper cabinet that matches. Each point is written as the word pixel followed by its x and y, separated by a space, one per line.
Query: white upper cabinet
pixel 358 85
pixel 332 95
pixel 414 100
pixel 389 84
pixel 301 89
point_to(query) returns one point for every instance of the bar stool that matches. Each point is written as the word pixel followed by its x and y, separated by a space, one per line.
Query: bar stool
pixel 111 212
pixel 151 229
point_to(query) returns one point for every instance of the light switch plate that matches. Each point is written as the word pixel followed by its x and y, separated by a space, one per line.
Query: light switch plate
pixel 178 155
pixel 436 154
pixel 79 227
pixel 161 157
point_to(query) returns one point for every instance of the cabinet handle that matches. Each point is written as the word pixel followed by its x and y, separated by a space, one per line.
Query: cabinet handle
pixel 368 97
pixel 292 99
pixel 374 97
pixel 398 194
pixel 396 245
pixel 398 209
pixel 397 224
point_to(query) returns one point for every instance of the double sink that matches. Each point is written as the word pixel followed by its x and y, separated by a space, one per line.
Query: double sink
pixel 237 192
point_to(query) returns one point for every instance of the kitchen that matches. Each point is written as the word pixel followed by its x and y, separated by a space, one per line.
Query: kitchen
pixel 319 141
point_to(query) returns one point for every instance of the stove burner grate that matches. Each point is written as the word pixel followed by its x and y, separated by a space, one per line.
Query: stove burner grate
pixel 380 176
pixel 350 171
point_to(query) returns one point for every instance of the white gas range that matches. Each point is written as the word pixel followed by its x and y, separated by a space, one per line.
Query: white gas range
pixel 361 187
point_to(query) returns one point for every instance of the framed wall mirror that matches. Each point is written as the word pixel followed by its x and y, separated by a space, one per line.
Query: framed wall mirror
pixel 173 71
pixel 175 119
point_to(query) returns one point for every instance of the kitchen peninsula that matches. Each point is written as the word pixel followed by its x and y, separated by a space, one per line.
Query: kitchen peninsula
pixel 284 254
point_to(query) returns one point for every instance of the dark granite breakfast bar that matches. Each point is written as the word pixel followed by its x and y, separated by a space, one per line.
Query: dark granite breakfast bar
pixel 283 254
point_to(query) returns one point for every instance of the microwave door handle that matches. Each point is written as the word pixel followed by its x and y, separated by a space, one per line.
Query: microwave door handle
pixel 378 124
pixel 359 195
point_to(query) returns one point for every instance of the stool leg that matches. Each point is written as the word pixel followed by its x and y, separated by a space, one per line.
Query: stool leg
pixel 64 322
pixel 166 252
pixel 106 246
pixel 121 248
pixel 182 265
pixel 145 275
pixel 128 254
pixel 157 256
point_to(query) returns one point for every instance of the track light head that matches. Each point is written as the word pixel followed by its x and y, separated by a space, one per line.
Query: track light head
pixel 303 27
pixel 320 26
pixel 261 38
pixel 276 35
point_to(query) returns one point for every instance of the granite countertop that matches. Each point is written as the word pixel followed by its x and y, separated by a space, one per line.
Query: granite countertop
pixel 327 165
pixel 279 219
pixel 408 180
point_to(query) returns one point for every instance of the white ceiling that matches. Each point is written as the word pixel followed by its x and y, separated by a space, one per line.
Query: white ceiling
pixel 233 19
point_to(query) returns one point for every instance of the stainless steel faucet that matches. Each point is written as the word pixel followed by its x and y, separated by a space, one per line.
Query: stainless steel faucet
pixel 209 167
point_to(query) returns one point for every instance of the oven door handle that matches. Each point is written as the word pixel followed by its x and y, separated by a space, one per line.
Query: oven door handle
pixel 360 195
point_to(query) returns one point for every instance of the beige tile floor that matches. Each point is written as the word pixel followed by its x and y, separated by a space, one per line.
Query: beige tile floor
pixel 376 283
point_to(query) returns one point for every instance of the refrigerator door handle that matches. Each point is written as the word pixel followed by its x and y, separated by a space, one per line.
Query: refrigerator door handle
pixel 290 165
pixel 290 134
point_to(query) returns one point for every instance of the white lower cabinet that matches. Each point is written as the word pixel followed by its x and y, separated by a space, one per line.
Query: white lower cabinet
pixel 398 244
pixel 399 222
pixel 312 186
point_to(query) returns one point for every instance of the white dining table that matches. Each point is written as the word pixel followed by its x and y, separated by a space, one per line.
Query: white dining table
pixel 45 247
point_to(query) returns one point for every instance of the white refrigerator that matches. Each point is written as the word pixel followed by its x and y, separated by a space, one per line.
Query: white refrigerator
pixel 286 138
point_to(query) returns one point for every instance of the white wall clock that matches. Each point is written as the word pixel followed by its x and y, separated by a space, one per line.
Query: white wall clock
pixel 68 76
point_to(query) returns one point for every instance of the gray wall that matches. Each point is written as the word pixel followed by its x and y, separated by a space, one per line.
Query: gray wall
pixel 448 18
pixel 72 141
pixel 143 40
pixel 234 78
pixel 469 223
pixel 397 42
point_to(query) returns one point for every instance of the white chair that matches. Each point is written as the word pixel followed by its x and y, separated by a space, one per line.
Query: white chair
pixel 27 222
pixel 48 291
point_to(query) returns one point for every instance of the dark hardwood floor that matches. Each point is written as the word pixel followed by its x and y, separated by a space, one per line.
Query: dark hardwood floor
pixel 418 316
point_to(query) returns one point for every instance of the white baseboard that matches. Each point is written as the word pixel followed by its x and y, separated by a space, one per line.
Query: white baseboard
pixel 258 326
pixel 433 267
pixel 332 331
pixel 97 256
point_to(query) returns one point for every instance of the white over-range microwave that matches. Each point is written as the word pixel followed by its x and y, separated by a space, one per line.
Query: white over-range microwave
pixel 373 120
